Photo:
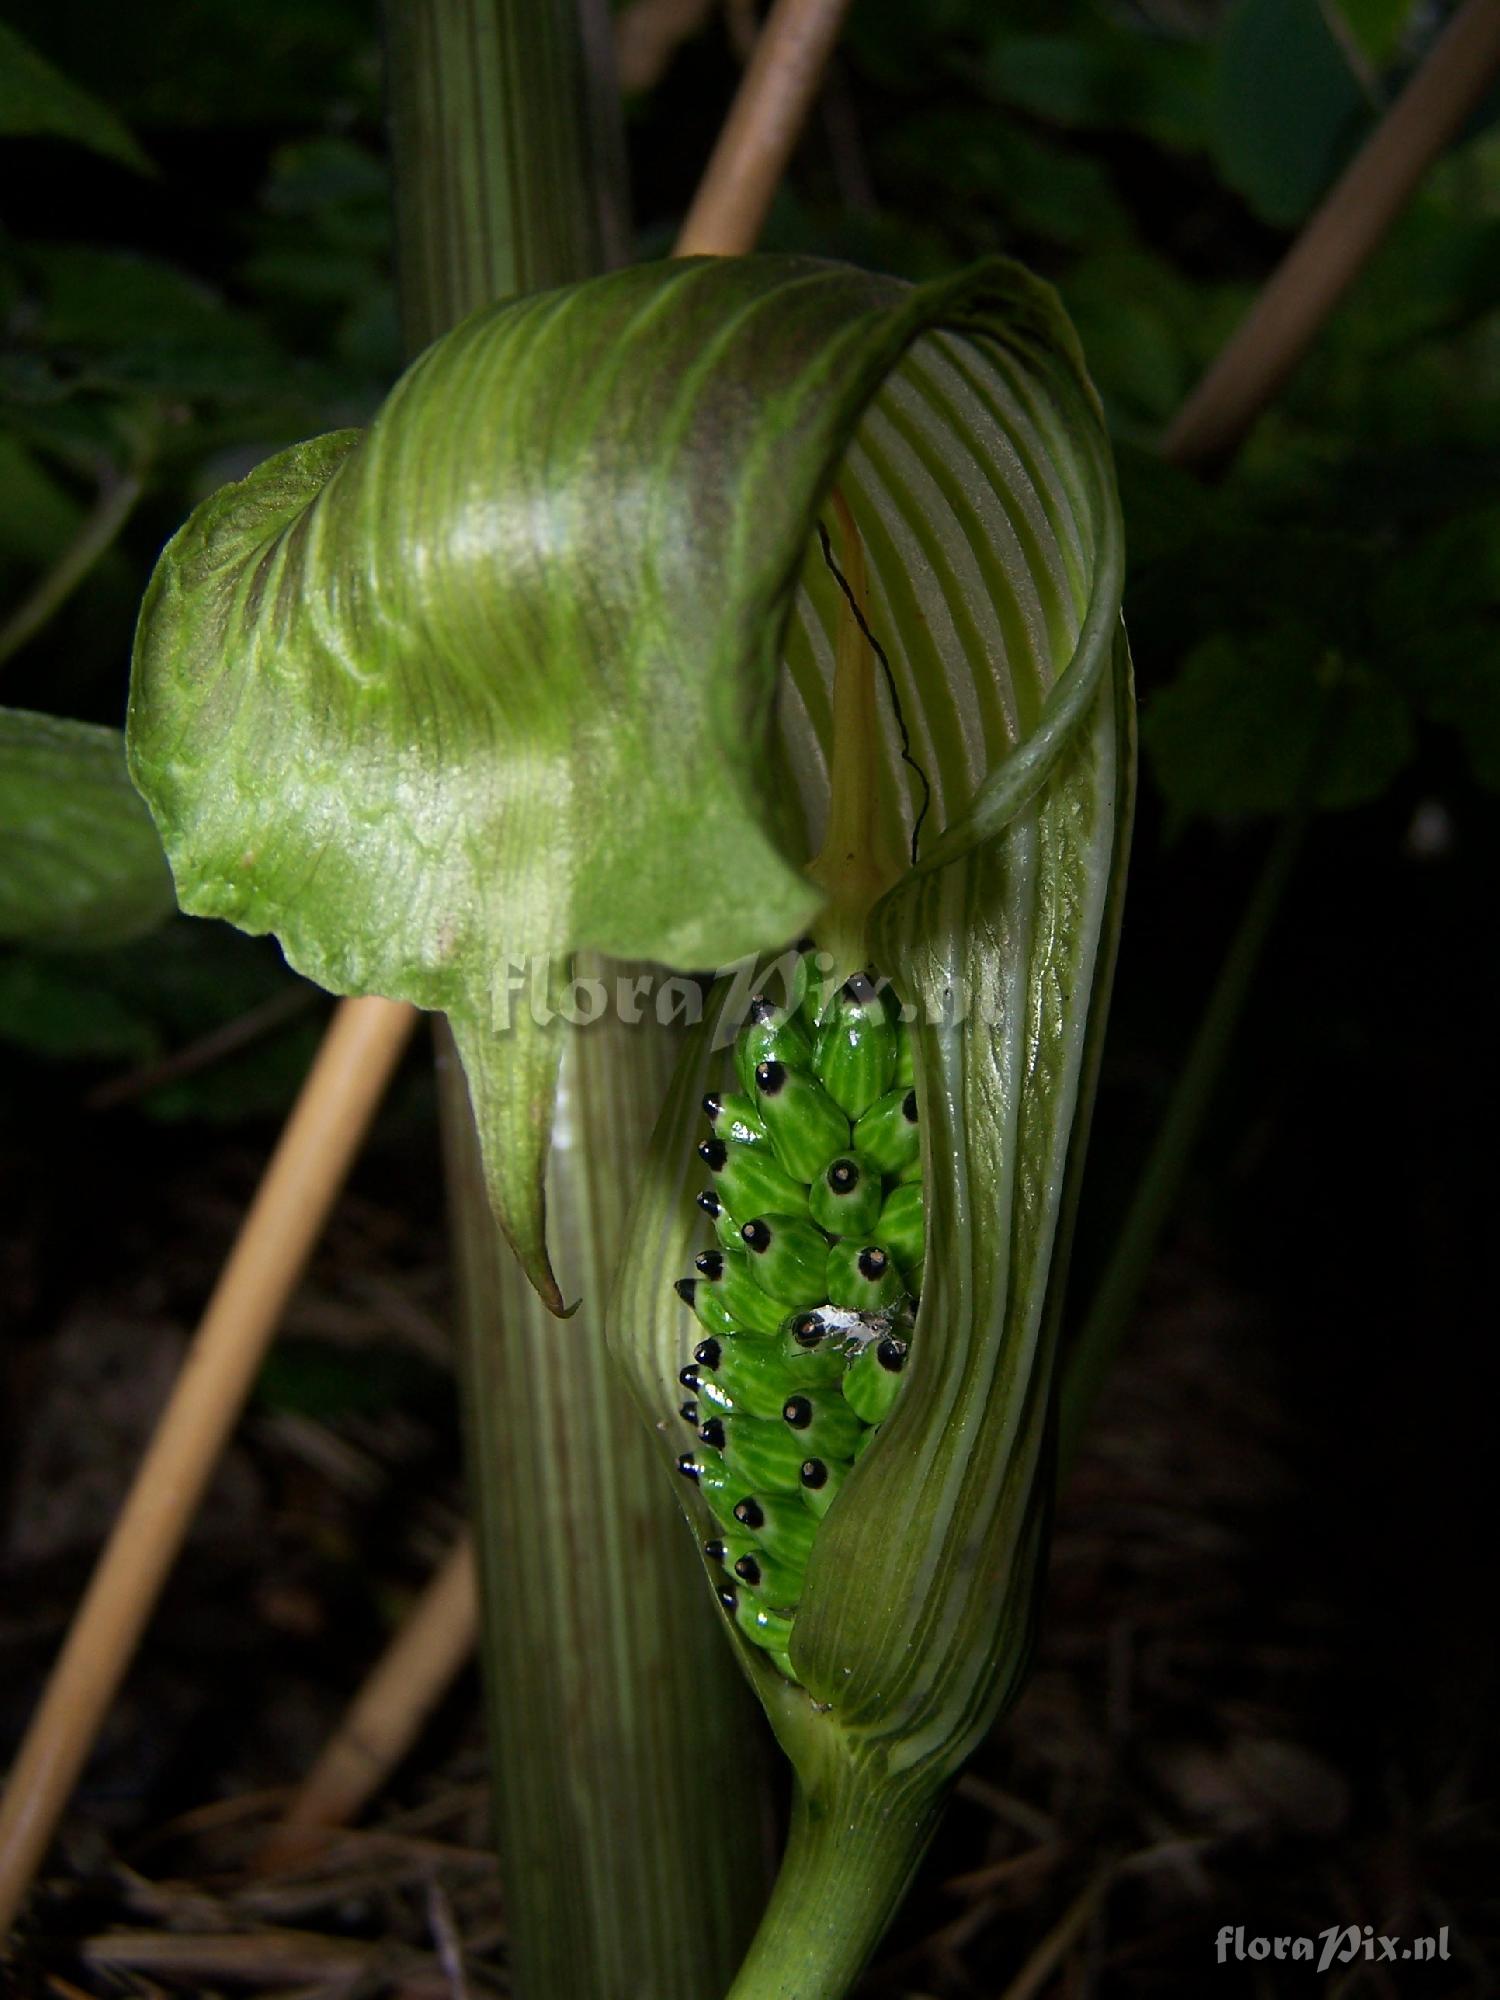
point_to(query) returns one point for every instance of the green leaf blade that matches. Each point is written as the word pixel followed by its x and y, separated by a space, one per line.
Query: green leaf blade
pixel 83 867
pixel 36 98
pixel 512 654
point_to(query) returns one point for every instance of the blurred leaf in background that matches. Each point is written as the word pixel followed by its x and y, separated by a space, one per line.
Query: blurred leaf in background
pixel 139 1004
pixel 36 98
pixel 1375 29
pixel 320 264
pixel 82 865
pixel 1287 107
pixel 202 65
pixel 172 309
pixel 1253 725
pixel 1439 615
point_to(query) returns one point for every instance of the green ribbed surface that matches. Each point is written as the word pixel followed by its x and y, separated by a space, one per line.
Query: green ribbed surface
pixel 386 615
pixel 518 653
pixel 993 548
pixel 511 163
pixel 621 1875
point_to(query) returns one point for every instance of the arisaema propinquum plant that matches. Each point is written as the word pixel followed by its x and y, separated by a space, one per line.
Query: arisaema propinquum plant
pixel 757 616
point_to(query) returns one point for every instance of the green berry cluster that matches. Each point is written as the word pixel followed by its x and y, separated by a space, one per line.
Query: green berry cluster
pixel 807 1299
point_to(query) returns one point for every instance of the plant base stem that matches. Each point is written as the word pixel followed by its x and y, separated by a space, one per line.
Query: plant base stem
pixel 852 1849
pixel 623 1874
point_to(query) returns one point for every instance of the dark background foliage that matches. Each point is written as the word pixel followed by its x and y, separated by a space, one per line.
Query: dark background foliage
pixel 1282 1529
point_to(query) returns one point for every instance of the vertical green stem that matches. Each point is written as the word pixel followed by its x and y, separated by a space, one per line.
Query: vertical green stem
pixel 629 1762
pixel 853 1846
pixel 508 154
pixel 628 1756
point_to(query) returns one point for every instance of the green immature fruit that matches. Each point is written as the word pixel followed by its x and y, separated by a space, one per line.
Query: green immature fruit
pixel 845 1198
pixel 777 1584
pixel 871 1385
pixel 806 1126
pixel 887 1133
pixel 807 1306
pixel 900 1227
pixel 751 1376
pixel 724 1548
pixel 707 1306
pixel 816 1355
pixel 855 1052
pixel 906 1071
pixel 750 1182
pixel 727 1276
pixel 707 1396
pixel 771 1629
pixel 782 1526
pixel 747 1565
pixel 823 1423
pixel 771 1034
pixel 733 1116
pixel 725 1227
pixel 763 1451
pixel 821 1480
pixel 720 1488
pixel 863 1278
pixel 786 1256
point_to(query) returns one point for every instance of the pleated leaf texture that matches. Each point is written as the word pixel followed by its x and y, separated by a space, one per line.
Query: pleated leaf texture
pixel 541 662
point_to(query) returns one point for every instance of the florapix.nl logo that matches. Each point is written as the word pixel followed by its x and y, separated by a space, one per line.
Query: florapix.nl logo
pixel 544 990
pixel 1339 1944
